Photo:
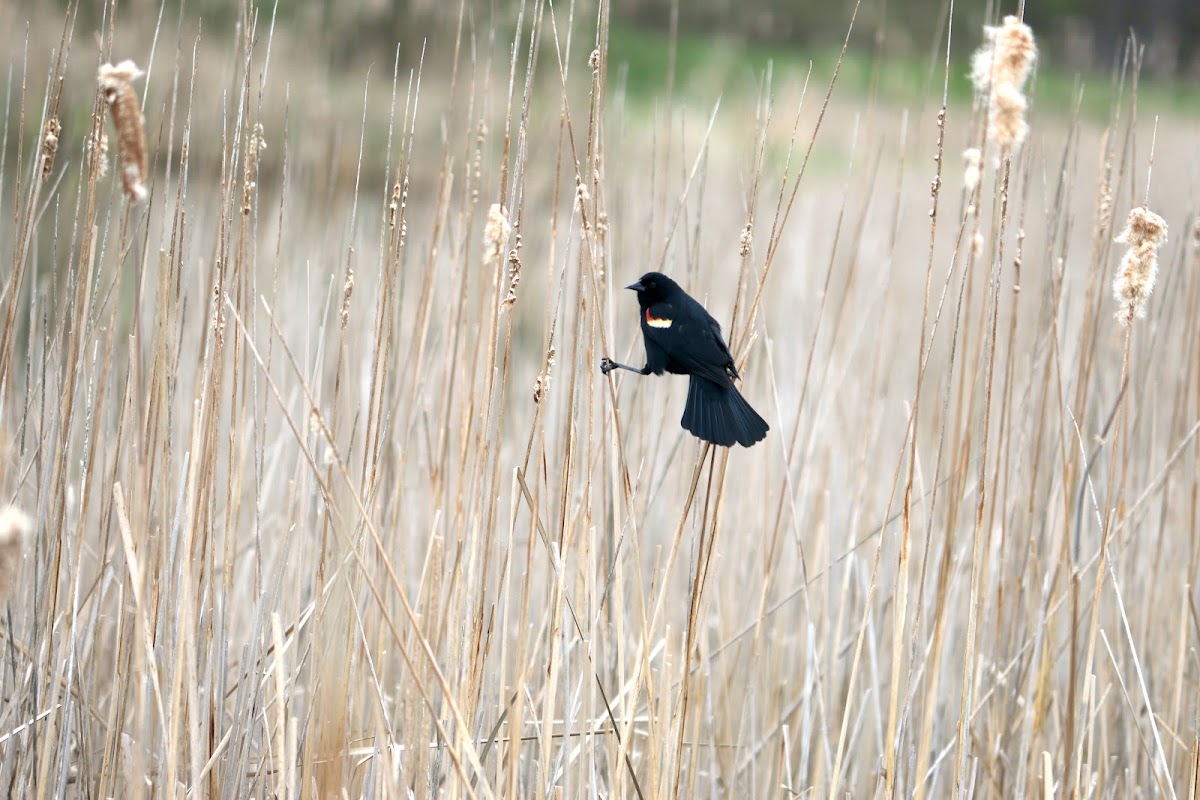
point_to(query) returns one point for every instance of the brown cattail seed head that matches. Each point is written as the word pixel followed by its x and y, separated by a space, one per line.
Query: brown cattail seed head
pixel 347 293
pixel 15 527
pixel 1144 233
pixel 514 275
pixel 256 145
pixel 116 84
pixel 50 145
pixel 1104 207
pixel 542 385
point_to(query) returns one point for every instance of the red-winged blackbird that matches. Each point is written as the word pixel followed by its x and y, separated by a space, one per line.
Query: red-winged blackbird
pixel 682 338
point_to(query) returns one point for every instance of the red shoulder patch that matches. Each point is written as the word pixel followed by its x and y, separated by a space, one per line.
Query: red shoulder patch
pixel 657 322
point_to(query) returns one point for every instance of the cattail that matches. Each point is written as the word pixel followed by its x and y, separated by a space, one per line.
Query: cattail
pixel 15 527
pixel 394 206
pixel 977 244
pixel 1144 233
pixel 50 145
pixel 746 240
pixel 477 162
pixel 97 153
pixel 1006 117
pixel 582 196
pixel 1005 57
pixel 115 83
pixel 396 210
pixel 347 293
pixel 514 275
pixel 257 144
pixel 973 159
pixel 496 232
pixel 319 431
pixel 1105 204
pixel 542 385
pixel 999 69
pixel 217 317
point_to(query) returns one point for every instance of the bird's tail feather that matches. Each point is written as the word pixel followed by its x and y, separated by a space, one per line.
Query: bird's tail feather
pixel 719 414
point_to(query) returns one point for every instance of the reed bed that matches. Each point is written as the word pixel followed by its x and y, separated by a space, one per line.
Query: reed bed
pixel 315 487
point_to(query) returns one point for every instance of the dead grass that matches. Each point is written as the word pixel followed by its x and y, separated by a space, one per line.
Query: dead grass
pixel 330 498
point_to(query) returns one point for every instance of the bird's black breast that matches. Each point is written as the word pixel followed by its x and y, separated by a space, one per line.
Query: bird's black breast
pixel 657 321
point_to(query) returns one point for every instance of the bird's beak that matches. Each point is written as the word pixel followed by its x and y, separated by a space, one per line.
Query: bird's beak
pixel 637 287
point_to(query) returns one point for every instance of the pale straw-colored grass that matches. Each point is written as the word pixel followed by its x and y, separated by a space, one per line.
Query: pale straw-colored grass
pixel 328 496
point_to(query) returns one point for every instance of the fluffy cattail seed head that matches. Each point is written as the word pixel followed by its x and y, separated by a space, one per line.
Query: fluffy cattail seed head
pixel 1143 227
pixel 1006 122
pixel 977 244
pixel 1144 232
pixel 999 69
pixel 1005 57
pixel 495 232
pixel 97 153
pixel 973 159
pixel 116 83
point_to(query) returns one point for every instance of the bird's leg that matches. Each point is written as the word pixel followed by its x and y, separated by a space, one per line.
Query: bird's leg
pixel 607 365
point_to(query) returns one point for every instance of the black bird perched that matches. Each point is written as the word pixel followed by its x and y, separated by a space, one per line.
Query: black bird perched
pixel 682 338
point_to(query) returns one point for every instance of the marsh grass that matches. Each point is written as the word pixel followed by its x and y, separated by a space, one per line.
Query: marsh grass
pixel 330 498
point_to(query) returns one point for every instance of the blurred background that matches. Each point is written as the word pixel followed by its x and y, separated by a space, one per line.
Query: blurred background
pixel 658 50
pixel 1080 35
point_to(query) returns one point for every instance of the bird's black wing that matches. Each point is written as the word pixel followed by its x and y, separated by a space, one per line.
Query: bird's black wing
pixel 692 340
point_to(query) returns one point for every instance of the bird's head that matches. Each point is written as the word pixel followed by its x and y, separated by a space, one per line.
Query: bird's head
pixel 653 287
